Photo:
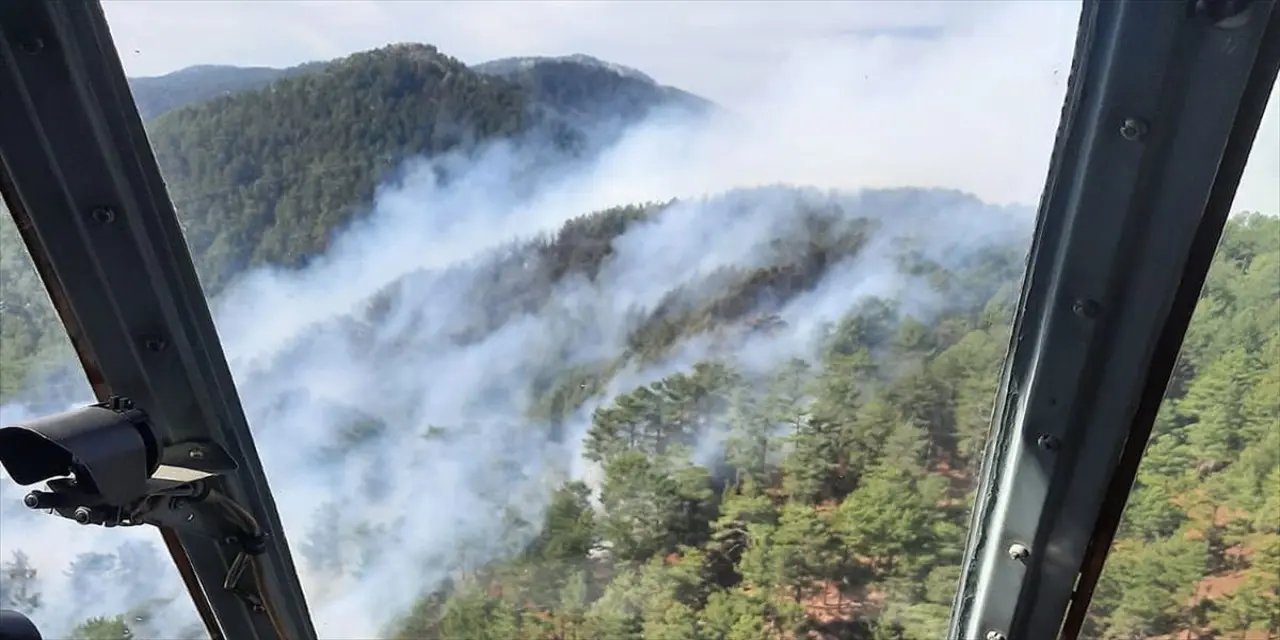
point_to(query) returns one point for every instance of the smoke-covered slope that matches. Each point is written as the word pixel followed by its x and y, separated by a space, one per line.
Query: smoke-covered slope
pixel 266 172
pixel 480 372
pixel 263 177
pixel 542 419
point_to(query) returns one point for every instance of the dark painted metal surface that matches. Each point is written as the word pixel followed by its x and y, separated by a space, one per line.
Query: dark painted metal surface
pixel 83 187
pixel 1155 93
pixel 1217 209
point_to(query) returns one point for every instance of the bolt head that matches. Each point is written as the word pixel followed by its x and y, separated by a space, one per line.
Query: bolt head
pixel 103 215
pixel 1133 129
pixel 31 45
pixel 1086 308
pixel 995 635
pixel 1047 442
pixel 1018 552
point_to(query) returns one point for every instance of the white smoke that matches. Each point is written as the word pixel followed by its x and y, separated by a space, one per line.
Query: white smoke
pixel 453 458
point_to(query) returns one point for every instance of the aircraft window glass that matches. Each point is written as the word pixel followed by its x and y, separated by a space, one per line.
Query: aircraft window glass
pixel 1197 553
pixel 70 579
pixel 588 319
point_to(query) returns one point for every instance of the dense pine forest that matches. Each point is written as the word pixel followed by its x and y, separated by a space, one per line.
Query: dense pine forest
pixel 836 503
pixel 745 462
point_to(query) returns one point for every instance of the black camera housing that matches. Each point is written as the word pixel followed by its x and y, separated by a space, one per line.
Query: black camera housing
pixel 16 626
pixel 110 448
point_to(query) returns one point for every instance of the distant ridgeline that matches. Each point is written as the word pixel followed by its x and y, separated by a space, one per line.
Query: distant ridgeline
pixel 266 165
pixel 265 176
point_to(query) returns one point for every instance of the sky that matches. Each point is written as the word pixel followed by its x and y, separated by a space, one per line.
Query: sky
pixel 717 49
pixel 722 50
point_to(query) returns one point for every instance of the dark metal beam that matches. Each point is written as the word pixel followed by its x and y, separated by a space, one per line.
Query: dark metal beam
pixel 83 186
pixel 1164 99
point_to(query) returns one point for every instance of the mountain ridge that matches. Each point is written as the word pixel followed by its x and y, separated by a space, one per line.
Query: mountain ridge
pixel 155 95
pixel 191 85
pixel 515 64
pixel 263 173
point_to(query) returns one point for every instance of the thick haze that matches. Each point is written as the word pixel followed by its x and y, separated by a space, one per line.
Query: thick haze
pixel 917 59
pixel 831 95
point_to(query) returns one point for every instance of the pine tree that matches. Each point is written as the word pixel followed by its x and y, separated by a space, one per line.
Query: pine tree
pixel 887 521
pixel 574 599
pixel 1145 588
pixel 804 549
pixel 1150 514
pixel 750 443
pixel 20 586
pixel 102 628
pixel 817 467
pixel 617 613
pixel 787 398
pixel 734 615
pixel 1215 401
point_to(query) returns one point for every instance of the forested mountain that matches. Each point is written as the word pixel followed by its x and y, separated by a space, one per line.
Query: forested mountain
pixel 268 176
pixel 586 90
pixel 602 433
pixel 158 94
pixel 577 85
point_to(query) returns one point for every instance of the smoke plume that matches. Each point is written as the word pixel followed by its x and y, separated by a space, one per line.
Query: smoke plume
pixel 391 402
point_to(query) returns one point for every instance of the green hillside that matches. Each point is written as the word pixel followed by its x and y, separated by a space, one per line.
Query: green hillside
pixel 265 177
pixel 155 95
pixel 268 175
pixel 583 89
pixel 823 496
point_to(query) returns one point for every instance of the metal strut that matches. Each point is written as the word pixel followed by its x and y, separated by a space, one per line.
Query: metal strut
pixel 1163 106
pixel 80 180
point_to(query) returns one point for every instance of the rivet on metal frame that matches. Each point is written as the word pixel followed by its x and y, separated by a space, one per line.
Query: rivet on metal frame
pixel 1019 552
pixel 1133 129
